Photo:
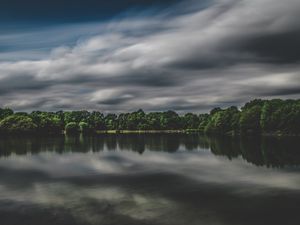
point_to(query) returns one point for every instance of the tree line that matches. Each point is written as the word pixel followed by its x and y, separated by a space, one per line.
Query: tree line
pixel 279 117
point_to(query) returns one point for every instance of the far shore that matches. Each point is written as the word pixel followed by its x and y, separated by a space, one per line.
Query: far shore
pixel 146 131
pixel 189 131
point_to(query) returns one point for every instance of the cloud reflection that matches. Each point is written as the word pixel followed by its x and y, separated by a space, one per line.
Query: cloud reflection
pixel 156 187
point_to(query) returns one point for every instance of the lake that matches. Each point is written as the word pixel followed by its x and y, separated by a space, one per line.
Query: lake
pixel 148 179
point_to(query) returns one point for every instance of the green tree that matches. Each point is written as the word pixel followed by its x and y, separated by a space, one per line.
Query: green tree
pixel 250 120
pixel 224 121
pixel 190 121
pixel 153 121
pixel 17 124
pixel 72 128
pixel 84 128
pixel 203 121
pixel 281 117
pixel 5 113
pixel 111 122
pixel 96 121
pixel 76 116
pixel 170 120
pixel 47 122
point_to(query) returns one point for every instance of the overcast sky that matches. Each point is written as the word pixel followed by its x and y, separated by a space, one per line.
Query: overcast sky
pixel 122 55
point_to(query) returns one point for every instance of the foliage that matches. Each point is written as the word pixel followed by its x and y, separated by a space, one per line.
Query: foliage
pixel 47 122
pixel 96 121
pixel 281 117
pixel 224 121
pixel 5 113
pixel 76 116
pixel 190 121
pixel 110 121
pixel 84 128
pixel 17 124
pixel 72 128
pixel 250 120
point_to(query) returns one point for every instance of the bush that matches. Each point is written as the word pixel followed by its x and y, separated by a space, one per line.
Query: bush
pixel 17 124
pixel 84 127
pixel 72 128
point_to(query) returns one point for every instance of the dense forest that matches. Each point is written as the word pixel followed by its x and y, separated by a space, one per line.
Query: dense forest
pixel 271 117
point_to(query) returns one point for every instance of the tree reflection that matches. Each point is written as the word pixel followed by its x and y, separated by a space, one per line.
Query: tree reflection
pixel 261 151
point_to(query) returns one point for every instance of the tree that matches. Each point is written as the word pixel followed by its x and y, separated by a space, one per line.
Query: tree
pixel 203 121
pixel 170 120
pixel 111 122
pixel 224 121
pixel 84 128
pixel 215 110
pixel 17 124
pixel 136 120
pixel 5 113
pixel 252 103
pixel 76 116
pixel 72 128
pixel 190 121
pixel 96 121
pixel 47 122
pixel 281 117
pixel 250 120
pixel 153 121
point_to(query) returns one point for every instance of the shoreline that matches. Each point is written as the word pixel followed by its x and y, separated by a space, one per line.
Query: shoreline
pixel 124 132
pixel 144 132
pixel 191 132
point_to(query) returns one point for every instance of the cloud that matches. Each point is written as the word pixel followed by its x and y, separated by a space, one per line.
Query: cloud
pixel 220 53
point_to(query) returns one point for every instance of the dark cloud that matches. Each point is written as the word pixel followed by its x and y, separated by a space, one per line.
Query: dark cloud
pixel 280 47
pixel 115 100
pixel 215 53
pixel 149 79
pixel 283 91
pixel 22 83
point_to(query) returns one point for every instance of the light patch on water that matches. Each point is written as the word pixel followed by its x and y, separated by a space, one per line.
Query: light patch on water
pixel 145 207
pixel 76 200
pixel 199 166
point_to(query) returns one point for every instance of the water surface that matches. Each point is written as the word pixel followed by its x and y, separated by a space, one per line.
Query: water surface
pixel 149 179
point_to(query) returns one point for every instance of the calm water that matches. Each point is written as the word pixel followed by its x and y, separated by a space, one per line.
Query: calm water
pixel 149 179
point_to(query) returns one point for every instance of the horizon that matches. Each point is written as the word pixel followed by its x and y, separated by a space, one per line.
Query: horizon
pixel 149 111
pixel 121 56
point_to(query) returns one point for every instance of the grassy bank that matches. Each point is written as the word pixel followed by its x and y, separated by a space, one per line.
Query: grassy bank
pixel 146 131
pixel 192 131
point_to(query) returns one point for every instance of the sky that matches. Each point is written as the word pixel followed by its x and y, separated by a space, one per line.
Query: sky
pixel 122 55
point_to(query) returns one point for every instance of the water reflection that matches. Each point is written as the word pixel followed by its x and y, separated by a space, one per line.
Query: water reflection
pixel 149 179
pixel 265 151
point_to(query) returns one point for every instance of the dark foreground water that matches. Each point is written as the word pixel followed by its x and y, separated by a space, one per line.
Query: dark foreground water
pixel 149 179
